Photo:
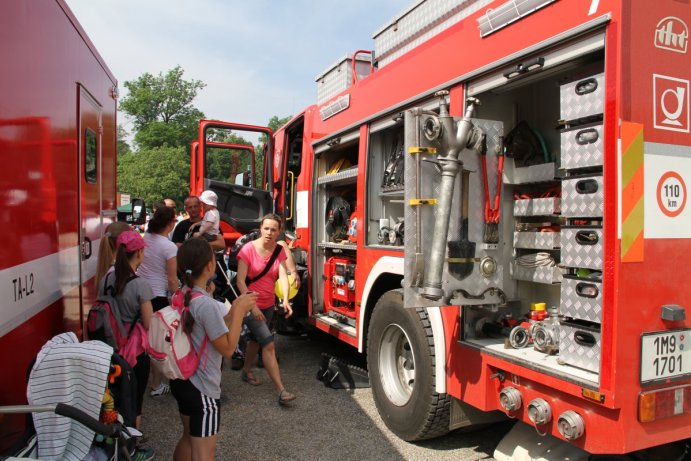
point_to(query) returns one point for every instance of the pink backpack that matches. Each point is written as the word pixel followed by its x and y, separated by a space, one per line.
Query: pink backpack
pixel 170 348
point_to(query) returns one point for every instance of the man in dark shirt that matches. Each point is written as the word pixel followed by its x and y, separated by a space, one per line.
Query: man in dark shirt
pixel 194 211
pixel 182 233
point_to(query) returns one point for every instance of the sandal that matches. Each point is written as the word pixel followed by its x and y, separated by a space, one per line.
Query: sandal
pixel 285 397
pixel 249 378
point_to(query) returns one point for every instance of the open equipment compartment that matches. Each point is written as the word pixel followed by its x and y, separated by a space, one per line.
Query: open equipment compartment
pixel 336 169
pixel 385 176
pixel 532 209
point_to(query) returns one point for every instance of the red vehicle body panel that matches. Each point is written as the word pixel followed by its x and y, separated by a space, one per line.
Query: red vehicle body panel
pixel 47 204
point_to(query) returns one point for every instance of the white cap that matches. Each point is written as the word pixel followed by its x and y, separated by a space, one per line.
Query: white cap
pixel 209 197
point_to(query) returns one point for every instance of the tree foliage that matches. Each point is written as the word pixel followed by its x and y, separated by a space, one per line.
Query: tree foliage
pixel 156 173
pixel 224 164
pixel 165 122
pixel 275 123
pixel 161 109
pixel 123 146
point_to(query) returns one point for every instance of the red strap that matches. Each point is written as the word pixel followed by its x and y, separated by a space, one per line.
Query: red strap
pixel 492 214
pixel 486 184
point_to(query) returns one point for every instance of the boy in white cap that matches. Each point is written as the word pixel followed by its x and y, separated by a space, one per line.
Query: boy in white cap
pixel 210 226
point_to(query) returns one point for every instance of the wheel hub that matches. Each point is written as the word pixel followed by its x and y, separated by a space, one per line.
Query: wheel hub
pixel 397 365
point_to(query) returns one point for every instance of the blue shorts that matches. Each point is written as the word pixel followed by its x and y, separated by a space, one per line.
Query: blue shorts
pixel 203 411
pixel 259 329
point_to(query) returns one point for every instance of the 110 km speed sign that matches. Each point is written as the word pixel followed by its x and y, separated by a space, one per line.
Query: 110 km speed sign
pixel 671 194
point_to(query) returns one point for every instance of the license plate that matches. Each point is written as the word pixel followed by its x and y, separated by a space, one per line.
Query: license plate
pixel 665 355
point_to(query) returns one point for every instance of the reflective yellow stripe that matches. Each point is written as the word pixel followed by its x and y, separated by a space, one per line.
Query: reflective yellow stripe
pixel 632 199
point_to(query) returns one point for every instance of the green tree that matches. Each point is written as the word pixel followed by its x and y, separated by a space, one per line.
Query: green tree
pixel 274 123
pixel 224 164
pixel 156 173
pixel 123 146
pixel 161 109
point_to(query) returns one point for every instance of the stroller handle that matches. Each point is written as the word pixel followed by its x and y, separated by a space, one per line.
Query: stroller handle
pixel 63 409
pixel 109 430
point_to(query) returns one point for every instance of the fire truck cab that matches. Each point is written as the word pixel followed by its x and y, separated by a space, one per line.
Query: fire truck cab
pixel 493 209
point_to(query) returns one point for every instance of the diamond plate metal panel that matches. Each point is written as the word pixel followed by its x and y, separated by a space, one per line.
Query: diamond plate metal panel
pixel 347 176
pixel 582 197
pixel 538 274
pixel 418 23
pixel 529 174
pixel 581 299
pixel 579 347
pixel 583 98
pixel 338 77
pixel 430 181
pixel 581 247
pixel 537 207
pixel 537 240
pixel 582 147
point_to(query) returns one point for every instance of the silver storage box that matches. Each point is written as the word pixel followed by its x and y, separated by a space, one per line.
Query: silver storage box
pixel 580 346
pixel 582 147
pixel 582 247
pixel 582 197
pixel 418 23
pixel 503 15
pixel 338 77
pixel 537 207
pixel 536 240
pixel 540 274
pixel 581 299
pixel 583 98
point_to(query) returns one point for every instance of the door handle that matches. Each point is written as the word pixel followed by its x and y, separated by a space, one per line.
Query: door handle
pixel 86 248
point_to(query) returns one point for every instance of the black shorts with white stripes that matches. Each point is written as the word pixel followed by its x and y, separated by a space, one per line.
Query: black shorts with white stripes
pixel 204 412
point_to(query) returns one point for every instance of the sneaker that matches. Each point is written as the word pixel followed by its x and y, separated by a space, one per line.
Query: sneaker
pixel 143 454
pixel 160 390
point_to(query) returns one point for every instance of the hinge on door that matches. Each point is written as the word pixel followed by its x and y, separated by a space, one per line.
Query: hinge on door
pixel 100 130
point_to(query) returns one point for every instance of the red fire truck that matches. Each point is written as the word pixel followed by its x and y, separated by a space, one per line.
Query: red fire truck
pixel 57 142
pixel 492 207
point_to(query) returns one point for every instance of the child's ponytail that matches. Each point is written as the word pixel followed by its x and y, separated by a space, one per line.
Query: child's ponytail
pixel 187 319
pixel 192 258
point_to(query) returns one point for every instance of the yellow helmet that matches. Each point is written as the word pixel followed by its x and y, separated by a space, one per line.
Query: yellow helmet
pixel 292 291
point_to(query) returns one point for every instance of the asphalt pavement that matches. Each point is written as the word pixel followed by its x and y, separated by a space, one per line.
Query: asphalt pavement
pixel 322 424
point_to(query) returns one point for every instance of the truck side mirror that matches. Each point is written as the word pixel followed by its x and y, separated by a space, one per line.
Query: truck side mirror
pixel 136 215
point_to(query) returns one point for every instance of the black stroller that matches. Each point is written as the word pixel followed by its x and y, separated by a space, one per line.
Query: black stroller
pixel 82 399
pixel 122 439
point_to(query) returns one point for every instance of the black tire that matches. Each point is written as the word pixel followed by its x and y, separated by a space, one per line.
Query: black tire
pixel 400 357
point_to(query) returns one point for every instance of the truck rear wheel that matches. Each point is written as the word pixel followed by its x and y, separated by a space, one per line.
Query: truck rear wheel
pixel 400 358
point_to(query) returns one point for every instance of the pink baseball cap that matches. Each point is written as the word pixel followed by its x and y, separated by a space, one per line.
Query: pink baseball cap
pixel 132 241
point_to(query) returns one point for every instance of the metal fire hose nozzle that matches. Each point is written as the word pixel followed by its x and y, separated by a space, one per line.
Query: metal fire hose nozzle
pixel 452 138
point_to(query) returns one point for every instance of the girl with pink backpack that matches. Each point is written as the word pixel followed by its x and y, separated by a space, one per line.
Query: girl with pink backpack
pixel 199 396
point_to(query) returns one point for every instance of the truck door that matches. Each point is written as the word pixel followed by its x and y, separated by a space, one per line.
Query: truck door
pixel 89 153
pixel 288 167
pixel 230 161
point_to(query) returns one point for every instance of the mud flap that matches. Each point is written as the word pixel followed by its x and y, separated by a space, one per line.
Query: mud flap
pixel 339 374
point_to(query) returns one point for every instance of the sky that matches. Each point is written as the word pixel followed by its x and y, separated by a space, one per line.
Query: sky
pixel 258 58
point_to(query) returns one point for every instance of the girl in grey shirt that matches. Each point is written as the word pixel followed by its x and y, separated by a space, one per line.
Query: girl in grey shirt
pixel 199 397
